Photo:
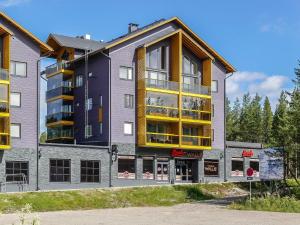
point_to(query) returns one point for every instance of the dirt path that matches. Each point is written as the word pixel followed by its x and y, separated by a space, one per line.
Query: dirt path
pixel 184 214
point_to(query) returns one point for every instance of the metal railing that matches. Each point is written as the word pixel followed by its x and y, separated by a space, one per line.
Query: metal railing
pixel 66 116
pixel 164 111
pixel 58 133
pixel 161 84
pixel 4 138
pixel 162 138
pixel 54 68
pixel 59 91
pixel 196 140
pixel 196 89
pixel 4 74
pixel 196 114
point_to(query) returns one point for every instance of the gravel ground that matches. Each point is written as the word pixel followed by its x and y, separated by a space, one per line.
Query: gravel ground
pixel 184 214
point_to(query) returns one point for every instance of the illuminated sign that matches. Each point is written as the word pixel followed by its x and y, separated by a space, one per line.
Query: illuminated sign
pixel 247 153
pixel 187 154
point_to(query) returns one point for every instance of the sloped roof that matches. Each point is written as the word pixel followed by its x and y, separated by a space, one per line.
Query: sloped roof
pixel 43 46
pixel 76 42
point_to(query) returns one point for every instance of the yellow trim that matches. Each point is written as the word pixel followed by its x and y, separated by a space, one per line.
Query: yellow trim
pixel 195 147
pixel 4 114
pixel 159 145
pixel 6 30
pixel 65 97
pixel 163 134
pixel 195 110
pixel 60 122
pixel 5 147
pixel 43 45
pixel 4 82
pixel 162 38
pixel 161 118
pixel 162 91
pixel 196 95
pixel 191 121
pixel 63 71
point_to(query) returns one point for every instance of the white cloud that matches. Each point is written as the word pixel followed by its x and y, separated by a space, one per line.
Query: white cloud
pixel 9 3
pixel 256 82
pixel 276 26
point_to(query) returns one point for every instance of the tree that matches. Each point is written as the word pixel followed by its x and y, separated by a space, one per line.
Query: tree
pixel 255 120
pixel 267 120
pixel 245 129
pixel 43 137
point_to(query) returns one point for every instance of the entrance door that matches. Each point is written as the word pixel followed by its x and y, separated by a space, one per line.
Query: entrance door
pixel 162 171
pixel 184 170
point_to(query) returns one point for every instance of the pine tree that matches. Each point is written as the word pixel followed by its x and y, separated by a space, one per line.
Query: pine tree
pixel 267 119
pixel 229 120
pixel 255 120
pixel 235 116
pixel 245 118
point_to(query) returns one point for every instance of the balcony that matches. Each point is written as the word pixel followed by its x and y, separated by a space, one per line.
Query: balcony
pixel 4 75
pixel 162 139
pixel 63 90
pixel 162 111
pixel 195 141
pixel 197 115
pixel 56 68
pixel 196 89
pixel 162 84
pixel 59 133
pixel 61 116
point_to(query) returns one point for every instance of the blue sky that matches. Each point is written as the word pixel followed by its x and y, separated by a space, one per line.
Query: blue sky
pixel 260 38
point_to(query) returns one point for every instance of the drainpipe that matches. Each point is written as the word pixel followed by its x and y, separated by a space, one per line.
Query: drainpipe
pixel 109 119
pixel 225 133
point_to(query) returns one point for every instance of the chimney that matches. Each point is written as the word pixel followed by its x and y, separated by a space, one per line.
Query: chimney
pixel 132 27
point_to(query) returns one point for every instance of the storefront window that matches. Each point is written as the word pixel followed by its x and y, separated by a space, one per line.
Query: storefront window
pixel 237 167
pixel 126 167
pixel 211 167
pixel 162 169
pixel 148 168
pixel 254 164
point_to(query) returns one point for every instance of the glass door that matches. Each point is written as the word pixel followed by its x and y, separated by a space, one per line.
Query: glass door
pixel 162 171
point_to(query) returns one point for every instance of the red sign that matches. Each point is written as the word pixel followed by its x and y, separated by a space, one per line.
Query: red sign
pixel 247 153
pixel 250 172
pixel 188 154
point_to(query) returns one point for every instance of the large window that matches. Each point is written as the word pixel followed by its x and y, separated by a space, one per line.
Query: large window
pixel 90 171
pixel 128 128
pixel 15 130
pixel 79 81
pixel 254 164
pixel 189 66
pixel 88 131
pixel 18 68
pixel 128 101
pixel 15 99
pixel 211 167
pixel 60 170
pixel 125 73
pixel 148 166
pixel 89 104
pixel 156 58
pixel 214 86
pixel 126 167
pixel 16 171
pixel 237 167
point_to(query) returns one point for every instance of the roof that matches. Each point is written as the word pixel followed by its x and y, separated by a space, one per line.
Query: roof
pixel 76 42
pixel 238 144
pixel 43 46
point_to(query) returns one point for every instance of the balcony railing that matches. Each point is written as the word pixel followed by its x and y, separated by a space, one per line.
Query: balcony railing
pixel 4 74
pixel 59 91
pixel 54 68
pixel 58 133
pixel 162 111
pixel 61 116
pixel 162 138
pixel 196 114
pixel 195 140
pixel 162 84
pixel 4 139
pixel 196 89
pixel 4 107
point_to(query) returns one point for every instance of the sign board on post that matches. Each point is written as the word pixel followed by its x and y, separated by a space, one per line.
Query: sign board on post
pixel 250 173
pixel 271 164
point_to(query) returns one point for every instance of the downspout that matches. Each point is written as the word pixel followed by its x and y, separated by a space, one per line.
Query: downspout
pixel 38 116
pixel 225 132
pixel 109 119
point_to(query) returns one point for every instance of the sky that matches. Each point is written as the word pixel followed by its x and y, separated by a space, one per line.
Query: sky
pixel 261 39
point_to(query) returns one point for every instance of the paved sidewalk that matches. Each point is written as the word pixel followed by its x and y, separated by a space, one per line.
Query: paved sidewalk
pixel 184 214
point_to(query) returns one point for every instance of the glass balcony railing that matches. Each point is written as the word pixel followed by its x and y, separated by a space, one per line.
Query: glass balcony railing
pixel 196 89
pixel 58 133
pixel 59 91
pixel 162 84
pixel 4 139
pixel 4 74
pixel 4 107
pixel 161 138
pixel 163 111
pixel 195 140
pixel 65 116
pixel 54 68
pixel 196 114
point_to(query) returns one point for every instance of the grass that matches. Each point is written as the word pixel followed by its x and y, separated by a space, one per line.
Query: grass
pixel 269 203
pixel 114 198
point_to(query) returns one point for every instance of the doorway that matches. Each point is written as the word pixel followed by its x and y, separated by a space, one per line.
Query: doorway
pixel 184 170
pixel 162 171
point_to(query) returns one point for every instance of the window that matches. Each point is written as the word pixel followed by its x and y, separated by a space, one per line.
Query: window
pixel 101 128
pixel 18 68
pixel 148 164
pixel 128 101
pixel 100 101
pixel 212 134
pixel 90 74
pixel 15 130
pixel 128 128
pixel 213 110
pixel 89 104
pixel 125 73
pixel 3 92
pixel 189 66
pixel 15 99
pixel 156 58
pixel 88 131
pixel 16 171
pixel 60 170
pixel 214 86
pixel 211 167
pixel 237 167
pixel 90 171
pixel 126 167
pixel 79 81
pixel 254 164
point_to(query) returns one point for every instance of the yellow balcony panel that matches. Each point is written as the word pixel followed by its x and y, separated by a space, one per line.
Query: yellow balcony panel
pixel 4 81
pixel 192 121
pixel 61 122
pixel 162 113
pixel 4 114
pixel 64 97
pixel 196 95
pixel 162 91
pixel 162 140
pixel 5 147
pixel 195 142
pixel 160 118
pixel 158 145
pixel 189 147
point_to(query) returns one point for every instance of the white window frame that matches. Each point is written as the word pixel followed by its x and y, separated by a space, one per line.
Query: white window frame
pixel 88 131
pixel 129 73
pixel 13 68
pixel 13 94
pixel 214 88
pixel 79 80
pixel 130 102
pixel 89 104
pixel 17 125
pixel 126 129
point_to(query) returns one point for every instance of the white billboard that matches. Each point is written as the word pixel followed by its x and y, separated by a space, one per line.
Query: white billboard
pixel 271 164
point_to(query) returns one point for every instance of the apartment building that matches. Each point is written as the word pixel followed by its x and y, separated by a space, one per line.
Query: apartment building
pixel 20 53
